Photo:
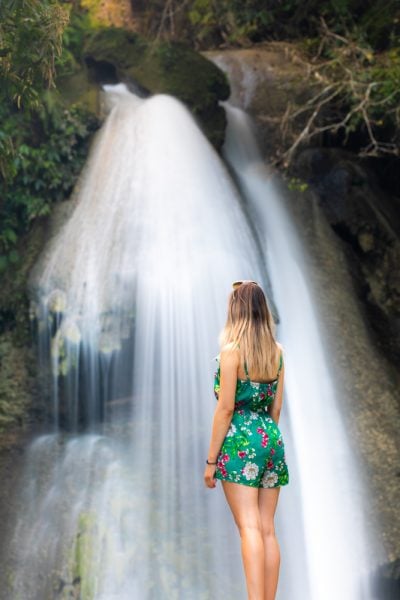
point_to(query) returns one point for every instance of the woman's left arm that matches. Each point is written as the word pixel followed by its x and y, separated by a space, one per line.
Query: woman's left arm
pixel 229 361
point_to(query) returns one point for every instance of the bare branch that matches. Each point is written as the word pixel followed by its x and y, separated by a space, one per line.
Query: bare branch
pixel 341 81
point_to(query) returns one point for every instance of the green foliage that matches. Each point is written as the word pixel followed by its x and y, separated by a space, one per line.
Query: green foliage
pixel 30 41
pixel 297 184
pixel 42 144
pixel 228 21
pixel 210 23
pixel 50 149
pixel 74 35
pixel 354 96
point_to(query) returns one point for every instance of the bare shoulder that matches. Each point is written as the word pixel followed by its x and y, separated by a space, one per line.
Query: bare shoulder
pixel 230 354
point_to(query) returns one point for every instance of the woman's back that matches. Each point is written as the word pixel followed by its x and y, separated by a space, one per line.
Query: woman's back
pixel 267 372
pixel 251 395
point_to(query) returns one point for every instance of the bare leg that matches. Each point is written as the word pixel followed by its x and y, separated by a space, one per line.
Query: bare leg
pixel 268 499
pixel 243 502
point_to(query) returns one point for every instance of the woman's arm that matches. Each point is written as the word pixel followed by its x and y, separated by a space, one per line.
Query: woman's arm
pixel 276 406
pixel 229 362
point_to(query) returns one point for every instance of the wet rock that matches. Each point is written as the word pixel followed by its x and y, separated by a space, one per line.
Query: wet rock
pixel 366 219
pixel 264 79
pixel 387 581
pixel 366 241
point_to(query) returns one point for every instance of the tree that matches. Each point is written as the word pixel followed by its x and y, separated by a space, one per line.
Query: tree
pixel 30 40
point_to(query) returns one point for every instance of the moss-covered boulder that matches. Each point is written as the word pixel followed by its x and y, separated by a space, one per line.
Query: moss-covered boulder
pixel 111 55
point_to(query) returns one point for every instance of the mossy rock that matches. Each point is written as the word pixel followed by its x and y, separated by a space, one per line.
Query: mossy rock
pixel 114 54
pixel 18 377
pixel 77 89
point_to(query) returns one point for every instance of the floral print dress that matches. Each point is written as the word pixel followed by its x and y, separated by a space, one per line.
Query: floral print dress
pixel 253 451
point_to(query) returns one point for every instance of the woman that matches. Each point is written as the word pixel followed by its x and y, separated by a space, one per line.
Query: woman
pixel 247 451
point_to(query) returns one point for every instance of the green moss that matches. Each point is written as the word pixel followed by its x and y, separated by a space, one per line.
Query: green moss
pixel 115 45
pixel 165 68
pixel 76 89
pixel 83 555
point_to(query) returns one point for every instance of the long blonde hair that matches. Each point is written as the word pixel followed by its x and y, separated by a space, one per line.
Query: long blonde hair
pixel 250 325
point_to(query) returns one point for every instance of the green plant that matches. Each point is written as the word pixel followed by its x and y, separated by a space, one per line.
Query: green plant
pixel 73 38
pixel 50 147
pixel 30 41
pixel 297 184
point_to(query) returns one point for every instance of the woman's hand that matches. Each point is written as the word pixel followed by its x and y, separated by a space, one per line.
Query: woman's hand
pixel 209 478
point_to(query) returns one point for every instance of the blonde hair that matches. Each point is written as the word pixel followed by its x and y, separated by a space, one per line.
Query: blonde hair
pixel 251 327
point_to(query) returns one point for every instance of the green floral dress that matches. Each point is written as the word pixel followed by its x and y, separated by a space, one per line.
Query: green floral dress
pixel 253 451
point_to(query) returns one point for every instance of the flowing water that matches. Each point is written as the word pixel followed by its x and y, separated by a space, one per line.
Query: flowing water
pixel 328 552
pixel 128 299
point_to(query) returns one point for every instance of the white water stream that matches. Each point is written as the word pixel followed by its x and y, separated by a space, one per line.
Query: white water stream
pixel 129 299
pixel 327 552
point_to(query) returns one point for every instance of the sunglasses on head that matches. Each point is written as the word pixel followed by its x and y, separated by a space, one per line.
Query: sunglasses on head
pixel 236 284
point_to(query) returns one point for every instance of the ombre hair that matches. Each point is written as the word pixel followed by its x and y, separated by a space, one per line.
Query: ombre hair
pixel 251 327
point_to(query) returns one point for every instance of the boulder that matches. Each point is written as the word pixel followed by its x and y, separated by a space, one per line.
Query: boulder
pixel 114 54
pixel 264 79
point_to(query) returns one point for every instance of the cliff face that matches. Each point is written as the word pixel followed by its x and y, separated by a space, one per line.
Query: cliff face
pixel 366 218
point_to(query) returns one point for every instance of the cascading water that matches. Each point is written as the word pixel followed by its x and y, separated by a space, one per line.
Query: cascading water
pixel 129 298
pixel 328 552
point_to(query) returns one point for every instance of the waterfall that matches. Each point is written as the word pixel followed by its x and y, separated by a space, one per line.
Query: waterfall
pixel 128 299
pixel 328 552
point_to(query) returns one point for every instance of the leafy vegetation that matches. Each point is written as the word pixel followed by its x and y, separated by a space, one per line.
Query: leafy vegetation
pixel 30 41
pixel 354 97
pixel 207 23
pixel 42 143
pixel 51 146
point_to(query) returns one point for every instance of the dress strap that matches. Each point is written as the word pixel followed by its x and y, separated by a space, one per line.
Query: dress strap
pixel 280 363
pixel 246 371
